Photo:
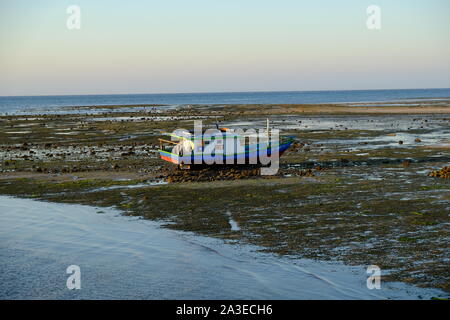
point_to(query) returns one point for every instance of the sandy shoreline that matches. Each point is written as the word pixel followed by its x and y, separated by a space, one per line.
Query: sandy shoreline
pixel 340 109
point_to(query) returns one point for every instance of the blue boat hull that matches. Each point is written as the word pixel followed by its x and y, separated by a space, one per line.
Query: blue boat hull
pixel 248 157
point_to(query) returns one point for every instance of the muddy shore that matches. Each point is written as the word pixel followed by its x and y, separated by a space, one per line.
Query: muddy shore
pixel 355 187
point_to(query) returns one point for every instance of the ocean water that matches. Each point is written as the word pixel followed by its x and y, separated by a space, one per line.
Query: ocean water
pixel 48 103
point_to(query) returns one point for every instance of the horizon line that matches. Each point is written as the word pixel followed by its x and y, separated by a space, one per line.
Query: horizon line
pixel 211 92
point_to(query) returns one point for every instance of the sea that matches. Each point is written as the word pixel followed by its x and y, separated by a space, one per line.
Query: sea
pixel 22 104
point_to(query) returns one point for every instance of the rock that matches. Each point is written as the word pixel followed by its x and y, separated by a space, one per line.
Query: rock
pixel 126 154
pixel 442 173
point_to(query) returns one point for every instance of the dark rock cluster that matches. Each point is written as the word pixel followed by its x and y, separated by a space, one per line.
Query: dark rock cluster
pixel 442 173
pixel 210 174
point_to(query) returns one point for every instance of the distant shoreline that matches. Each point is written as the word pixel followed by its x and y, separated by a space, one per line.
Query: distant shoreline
pixel 441 106
pixel 24 103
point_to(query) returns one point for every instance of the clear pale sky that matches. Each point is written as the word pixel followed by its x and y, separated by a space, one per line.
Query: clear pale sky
pixel 161 46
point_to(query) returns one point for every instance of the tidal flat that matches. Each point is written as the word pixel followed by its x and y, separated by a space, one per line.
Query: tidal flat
pixel 355 187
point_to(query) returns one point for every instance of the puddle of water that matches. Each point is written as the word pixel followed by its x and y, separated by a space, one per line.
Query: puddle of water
pixel 67 133
pixel 233 223
pixel 18 132
pixel 133 186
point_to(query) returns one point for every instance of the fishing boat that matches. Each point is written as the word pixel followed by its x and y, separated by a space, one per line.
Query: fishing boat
pixel 222 147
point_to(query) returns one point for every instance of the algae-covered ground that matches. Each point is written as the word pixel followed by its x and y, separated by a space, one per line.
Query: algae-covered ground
pixel 354 187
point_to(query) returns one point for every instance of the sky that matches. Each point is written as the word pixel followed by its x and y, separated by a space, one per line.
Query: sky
pixel 169 46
